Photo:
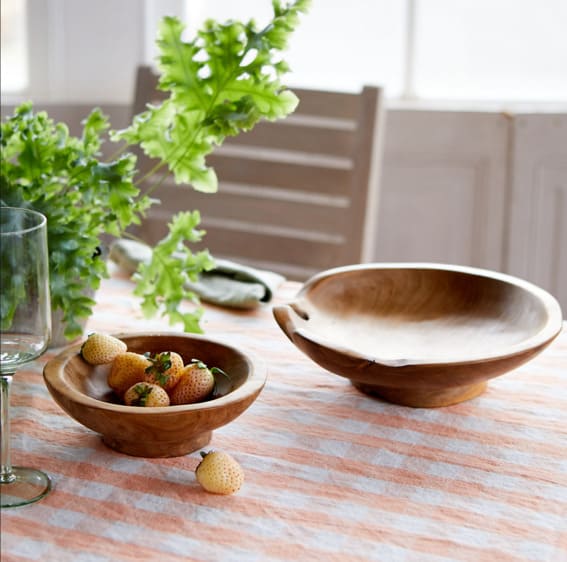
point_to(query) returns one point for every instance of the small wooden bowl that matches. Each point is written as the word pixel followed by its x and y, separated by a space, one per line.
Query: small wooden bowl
pixel 421 335
pixel 82 391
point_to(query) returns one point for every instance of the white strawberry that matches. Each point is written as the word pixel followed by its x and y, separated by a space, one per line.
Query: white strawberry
pixel 195 384
pixel 99 349
pixel 146 395
pixel 219 473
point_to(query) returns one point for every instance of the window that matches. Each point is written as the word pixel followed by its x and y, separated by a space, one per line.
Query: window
pixel 14 70
pixel 450 50
pixel 480 49
pixel 334 47
pixel 509 50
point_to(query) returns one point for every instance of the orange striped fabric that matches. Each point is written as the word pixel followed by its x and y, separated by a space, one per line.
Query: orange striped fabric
pixel 331 474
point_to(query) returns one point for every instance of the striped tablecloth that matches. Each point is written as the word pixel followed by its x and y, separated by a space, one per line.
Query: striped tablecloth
pixel 331 474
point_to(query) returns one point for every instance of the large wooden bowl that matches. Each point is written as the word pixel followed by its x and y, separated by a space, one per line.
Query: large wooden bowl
pixel 81 390
pixel 421 335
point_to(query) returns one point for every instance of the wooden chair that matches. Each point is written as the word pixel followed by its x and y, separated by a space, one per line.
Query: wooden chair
pixel 296 196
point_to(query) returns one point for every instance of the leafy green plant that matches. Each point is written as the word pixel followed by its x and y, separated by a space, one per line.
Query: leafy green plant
pixel 221 83
pixel 61 176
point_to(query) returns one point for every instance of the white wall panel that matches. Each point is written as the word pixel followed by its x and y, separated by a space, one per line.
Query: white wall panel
pixel 443 188
pixel 537 235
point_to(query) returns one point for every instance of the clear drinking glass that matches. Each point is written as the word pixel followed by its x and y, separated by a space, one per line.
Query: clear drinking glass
pixel 25 329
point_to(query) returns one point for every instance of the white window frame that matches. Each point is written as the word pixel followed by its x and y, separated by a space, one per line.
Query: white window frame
pixel 49 54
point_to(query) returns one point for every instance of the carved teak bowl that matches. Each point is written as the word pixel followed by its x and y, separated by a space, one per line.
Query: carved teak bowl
pixel 421 335
pixel 82 392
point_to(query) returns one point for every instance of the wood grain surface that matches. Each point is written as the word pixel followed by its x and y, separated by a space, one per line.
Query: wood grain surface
pixel 81 390
pixel 422 335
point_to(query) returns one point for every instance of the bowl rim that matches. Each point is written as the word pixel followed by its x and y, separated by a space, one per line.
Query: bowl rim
pixel 551 328
pixel 54 368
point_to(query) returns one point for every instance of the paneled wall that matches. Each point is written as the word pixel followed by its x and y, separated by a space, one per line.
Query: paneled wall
pixel 444 188
pixel 538 210
pixel 481 189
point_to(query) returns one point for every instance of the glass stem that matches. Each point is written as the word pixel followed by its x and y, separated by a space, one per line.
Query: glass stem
pixel 6 474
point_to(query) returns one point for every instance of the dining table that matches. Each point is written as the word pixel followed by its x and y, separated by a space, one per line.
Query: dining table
pixel 331 474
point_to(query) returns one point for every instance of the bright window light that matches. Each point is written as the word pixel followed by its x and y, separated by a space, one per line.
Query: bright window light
pixel 337 46
pixel 469 50
pixel 514 50
pixel 14 70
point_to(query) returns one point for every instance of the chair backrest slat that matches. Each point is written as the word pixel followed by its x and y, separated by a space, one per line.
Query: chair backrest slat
pixel 297 195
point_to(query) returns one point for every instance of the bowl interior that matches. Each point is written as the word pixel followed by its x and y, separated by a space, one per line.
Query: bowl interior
pixel 422 314
pixel 91 381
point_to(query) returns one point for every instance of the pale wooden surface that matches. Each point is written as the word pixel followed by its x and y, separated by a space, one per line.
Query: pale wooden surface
pixel 443 196
pixel 297 195
pixel 330 473
pixel 537 229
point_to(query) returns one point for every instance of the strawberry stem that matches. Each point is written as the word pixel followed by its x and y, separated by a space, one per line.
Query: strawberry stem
pixel 198 363
pixel 160 364
pixel 143 391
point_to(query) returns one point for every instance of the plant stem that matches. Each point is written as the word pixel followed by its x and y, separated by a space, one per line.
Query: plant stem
pixel 6 473
pixel 149 174
pixel 118 152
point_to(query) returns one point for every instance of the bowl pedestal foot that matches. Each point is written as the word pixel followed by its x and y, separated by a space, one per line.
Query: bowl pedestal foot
pixel 155 449
pixel 423 397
